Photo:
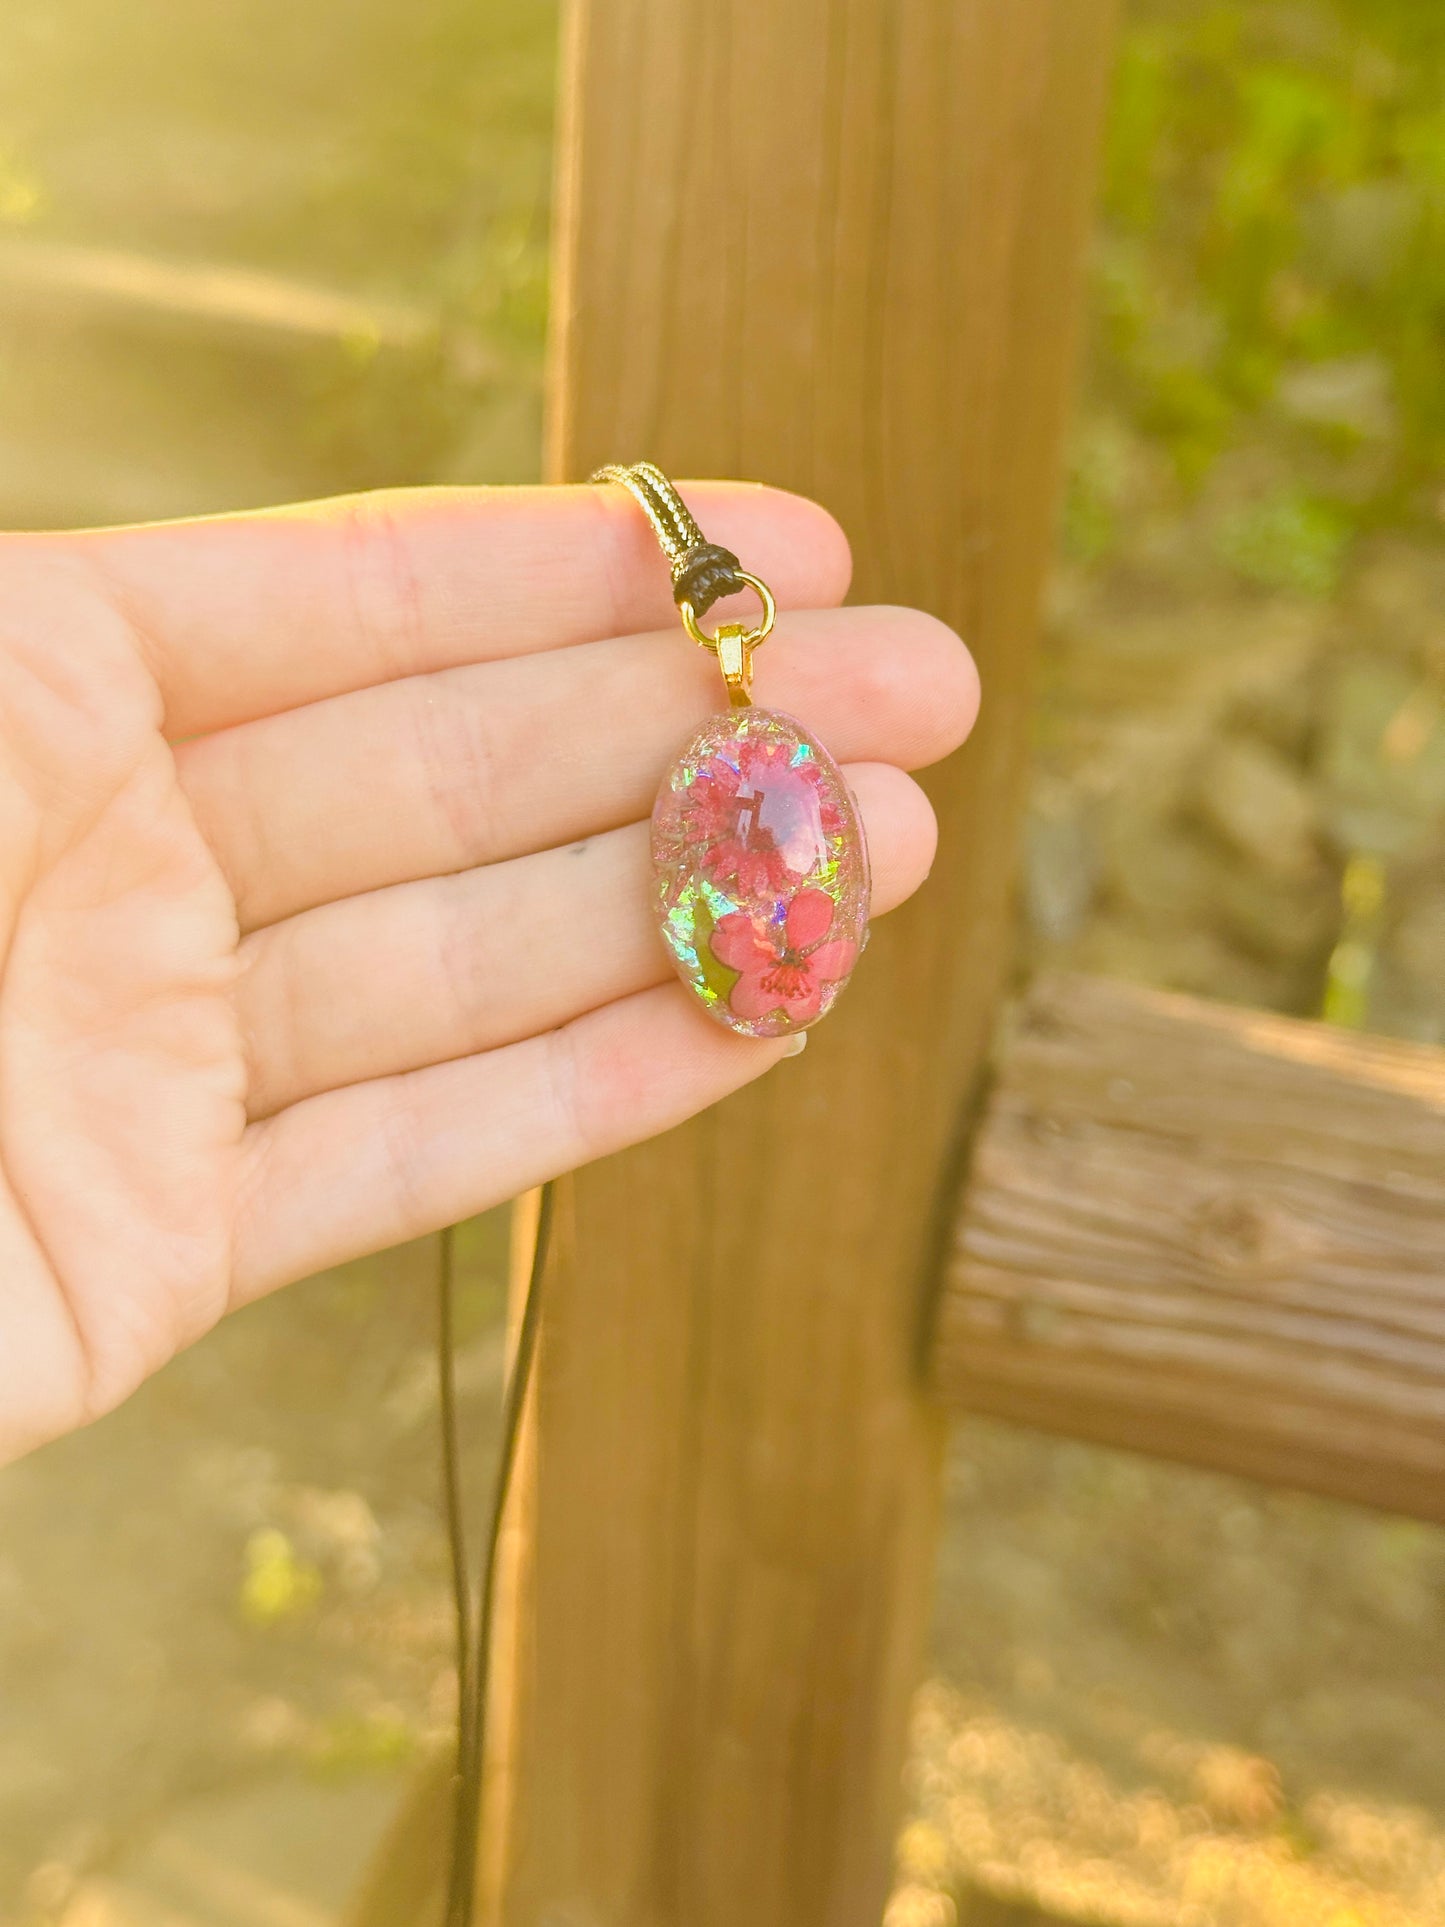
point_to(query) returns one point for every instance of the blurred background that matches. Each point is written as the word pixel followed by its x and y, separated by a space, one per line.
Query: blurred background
pixel 252 251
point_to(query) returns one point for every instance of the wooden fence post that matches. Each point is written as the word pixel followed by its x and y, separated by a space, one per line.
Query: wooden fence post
pixel 832 244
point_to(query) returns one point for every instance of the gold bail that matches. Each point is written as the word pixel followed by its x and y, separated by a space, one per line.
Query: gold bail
pixel 734 643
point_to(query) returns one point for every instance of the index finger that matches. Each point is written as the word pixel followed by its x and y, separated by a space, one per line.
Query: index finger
pixel 243 616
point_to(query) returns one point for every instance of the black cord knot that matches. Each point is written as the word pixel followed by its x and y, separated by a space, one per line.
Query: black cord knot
pixel 704 575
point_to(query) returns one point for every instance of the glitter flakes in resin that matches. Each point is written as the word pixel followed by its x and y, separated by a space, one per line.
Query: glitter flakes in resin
pixel 762 872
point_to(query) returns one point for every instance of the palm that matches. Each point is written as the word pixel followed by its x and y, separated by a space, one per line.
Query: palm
pixel 322 887
pixel 121 1077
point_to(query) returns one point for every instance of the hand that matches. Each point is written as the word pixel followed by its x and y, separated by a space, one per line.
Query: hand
pixel 324 909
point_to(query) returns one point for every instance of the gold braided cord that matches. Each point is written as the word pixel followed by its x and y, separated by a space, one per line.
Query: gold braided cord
pixel 702 572
pixel 671 520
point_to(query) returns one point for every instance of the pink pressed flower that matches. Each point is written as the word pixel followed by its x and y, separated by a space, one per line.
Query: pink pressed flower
pixel 723 812
pixel 783 969
pixel 757 874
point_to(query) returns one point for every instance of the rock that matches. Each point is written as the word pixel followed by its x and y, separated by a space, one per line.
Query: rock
pixel 1408 999
pixel 1381 757
pixel 1278 919
pixel 1418 943
pixel 1362 231
pixel 1185 958
pixel 1280 708
pixel 1160 871
pixel 1352 395
pixel 1394 604
pixel 1260 805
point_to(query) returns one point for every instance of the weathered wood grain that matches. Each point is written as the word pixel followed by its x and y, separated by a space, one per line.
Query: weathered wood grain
pixel 834 245
pixel 1211 1234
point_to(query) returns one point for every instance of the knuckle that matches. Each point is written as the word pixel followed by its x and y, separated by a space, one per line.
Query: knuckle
pixel 255 1020
pixel 618 543
pixel 456 759
pixel 272 1010
pixel 572 1126
pixel 403 1154
pixel 381 581
pixel 225 780
pixel 462 928
pixel 77 701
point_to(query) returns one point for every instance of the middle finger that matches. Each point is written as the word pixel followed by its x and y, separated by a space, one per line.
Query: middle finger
pixel 439 773
pixel 448 966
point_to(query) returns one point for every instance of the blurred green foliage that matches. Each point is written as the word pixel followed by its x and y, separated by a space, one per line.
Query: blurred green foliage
pixel 278 1583
pixel 1271 271
pixel 1286 540
pixel 398 152
pixel 351 1744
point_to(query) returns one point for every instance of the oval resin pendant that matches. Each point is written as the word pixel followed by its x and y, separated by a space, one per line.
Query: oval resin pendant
pixel 762 872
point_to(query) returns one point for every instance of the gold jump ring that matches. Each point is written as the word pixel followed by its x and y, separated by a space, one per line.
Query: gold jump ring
pixel 751 638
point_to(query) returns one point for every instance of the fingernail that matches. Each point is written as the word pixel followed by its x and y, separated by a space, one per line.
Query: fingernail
pixel 797 1045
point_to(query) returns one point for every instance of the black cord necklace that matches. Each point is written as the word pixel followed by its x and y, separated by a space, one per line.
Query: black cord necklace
pixel 474 1622
pixel 784 935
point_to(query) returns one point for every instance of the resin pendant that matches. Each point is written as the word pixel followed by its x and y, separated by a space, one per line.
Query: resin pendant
pixel 762 872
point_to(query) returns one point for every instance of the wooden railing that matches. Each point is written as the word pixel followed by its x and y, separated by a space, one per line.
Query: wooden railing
pixel 1211 1234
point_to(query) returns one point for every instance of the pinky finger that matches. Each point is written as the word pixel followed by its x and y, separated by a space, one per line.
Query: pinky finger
pixel 358 1169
